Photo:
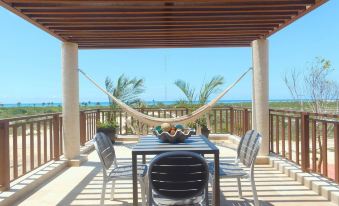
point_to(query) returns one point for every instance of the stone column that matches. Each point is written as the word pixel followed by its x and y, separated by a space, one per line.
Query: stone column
pixel 70 103
pixel 254 124
pixel 260 88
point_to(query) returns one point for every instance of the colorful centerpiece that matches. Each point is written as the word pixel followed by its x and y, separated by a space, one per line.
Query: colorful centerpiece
pixel 172 133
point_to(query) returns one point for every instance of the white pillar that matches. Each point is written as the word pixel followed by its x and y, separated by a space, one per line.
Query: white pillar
pixel 254 124
pixel 70 101
pixel 260 87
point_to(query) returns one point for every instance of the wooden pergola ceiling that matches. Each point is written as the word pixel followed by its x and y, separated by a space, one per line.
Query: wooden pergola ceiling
pixel 161 23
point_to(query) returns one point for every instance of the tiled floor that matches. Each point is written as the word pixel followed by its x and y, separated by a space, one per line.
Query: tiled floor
pixel 82 186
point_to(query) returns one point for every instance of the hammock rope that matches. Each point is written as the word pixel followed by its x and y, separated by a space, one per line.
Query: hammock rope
pixel 152 121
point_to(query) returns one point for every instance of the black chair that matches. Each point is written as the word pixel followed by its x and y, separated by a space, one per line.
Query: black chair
pixel 177 178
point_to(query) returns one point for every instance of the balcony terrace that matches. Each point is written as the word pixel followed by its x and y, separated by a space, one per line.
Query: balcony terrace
pixel 280 182
pixel 40 161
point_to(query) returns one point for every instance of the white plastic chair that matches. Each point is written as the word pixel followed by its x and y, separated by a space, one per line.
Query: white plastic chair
pixel 111 170
pixel 246 155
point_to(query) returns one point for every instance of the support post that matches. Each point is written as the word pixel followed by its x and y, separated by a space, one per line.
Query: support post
pixel 97 116
pixel 305 141
pixel 70 103
pixel 82 128
pixel 254 124
pixel 260 89
pixel 245 121
pixel 4 156
pixel 336 152
pixel 232 120
pixel 56 137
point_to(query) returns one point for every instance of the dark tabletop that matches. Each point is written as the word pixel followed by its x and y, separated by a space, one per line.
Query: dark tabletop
pixel 152 145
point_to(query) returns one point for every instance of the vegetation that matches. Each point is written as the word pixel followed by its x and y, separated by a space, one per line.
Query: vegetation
pixel 316 85
pixel 109 124
pixel 10 112
pixel 125 89
pixel 206 91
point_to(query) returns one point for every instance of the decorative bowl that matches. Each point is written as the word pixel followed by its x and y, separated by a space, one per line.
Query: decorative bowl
pixel 178 137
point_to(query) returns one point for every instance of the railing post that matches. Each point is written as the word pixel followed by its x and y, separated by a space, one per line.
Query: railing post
pixel 97 117
pixel 336 151
pixel 231 120
pixel 4 156
pixel 82 128
pixel 56 137
pixel 245 121
pixel 305 141
pixel 271 131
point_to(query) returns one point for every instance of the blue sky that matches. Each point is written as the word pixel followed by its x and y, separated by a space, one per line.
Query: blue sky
pixel 30 61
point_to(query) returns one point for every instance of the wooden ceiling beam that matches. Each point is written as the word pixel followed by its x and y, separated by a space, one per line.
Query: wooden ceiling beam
pixel 124 2
pixel 66 7
pixel 160 23
pixel 105 11
pixel 165 29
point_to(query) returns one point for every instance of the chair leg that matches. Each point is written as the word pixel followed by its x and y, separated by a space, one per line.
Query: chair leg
pixel 113 190
pixel 143 193
pixel 254 190
pixel 239 187
pixel 103 193
pixel 146 187
pixel 212 184
pixel 206 195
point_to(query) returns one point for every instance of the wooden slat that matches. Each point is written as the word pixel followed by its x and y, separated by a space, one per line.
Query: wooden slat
pixel 50 128
pixel 39 142
pixel 283 136
pixel 24 163
pixel 336 151
pixel 314 146
pixel 220 120
pixel 297 140
pixel 277 141
pixel 4 156
pixel 73 19
pixel 45 140
pixel 324 146
pixel 289 136
pixel 15 151
pixel 305 141
pixel 31 145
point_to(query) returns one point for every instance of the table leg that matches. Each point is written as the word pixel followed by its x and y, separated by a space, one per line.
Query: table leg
pixel 143 159
pixel 206 190
pixel 216 194
pixel 135 179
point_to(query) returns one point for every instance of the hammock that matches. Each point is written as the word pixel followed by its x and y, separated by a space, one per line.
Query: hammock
pixel 152 121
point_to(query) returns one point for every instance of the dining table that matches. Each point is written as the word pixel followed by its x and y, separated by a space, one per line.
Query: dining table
pixel 152 145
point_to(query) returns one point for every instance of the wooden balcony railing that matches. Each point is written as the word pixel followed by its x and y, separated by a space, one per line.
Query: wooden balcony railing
pixel 309 140
pixel 27 143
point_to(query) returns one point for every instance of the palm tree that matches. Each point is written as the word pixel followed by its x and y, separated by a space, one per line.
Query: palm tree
pixel 125 89
pixel 186 89
pixel 206 90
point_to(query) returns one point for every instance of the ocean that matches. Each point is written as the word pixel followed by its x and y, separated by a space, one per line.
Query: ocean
pixel 90 103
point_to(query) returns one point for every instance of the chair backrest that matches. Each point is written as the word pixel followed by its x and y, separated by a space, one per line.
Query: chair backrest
pixel 248 148
pixel 105 150
pixel 178 175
